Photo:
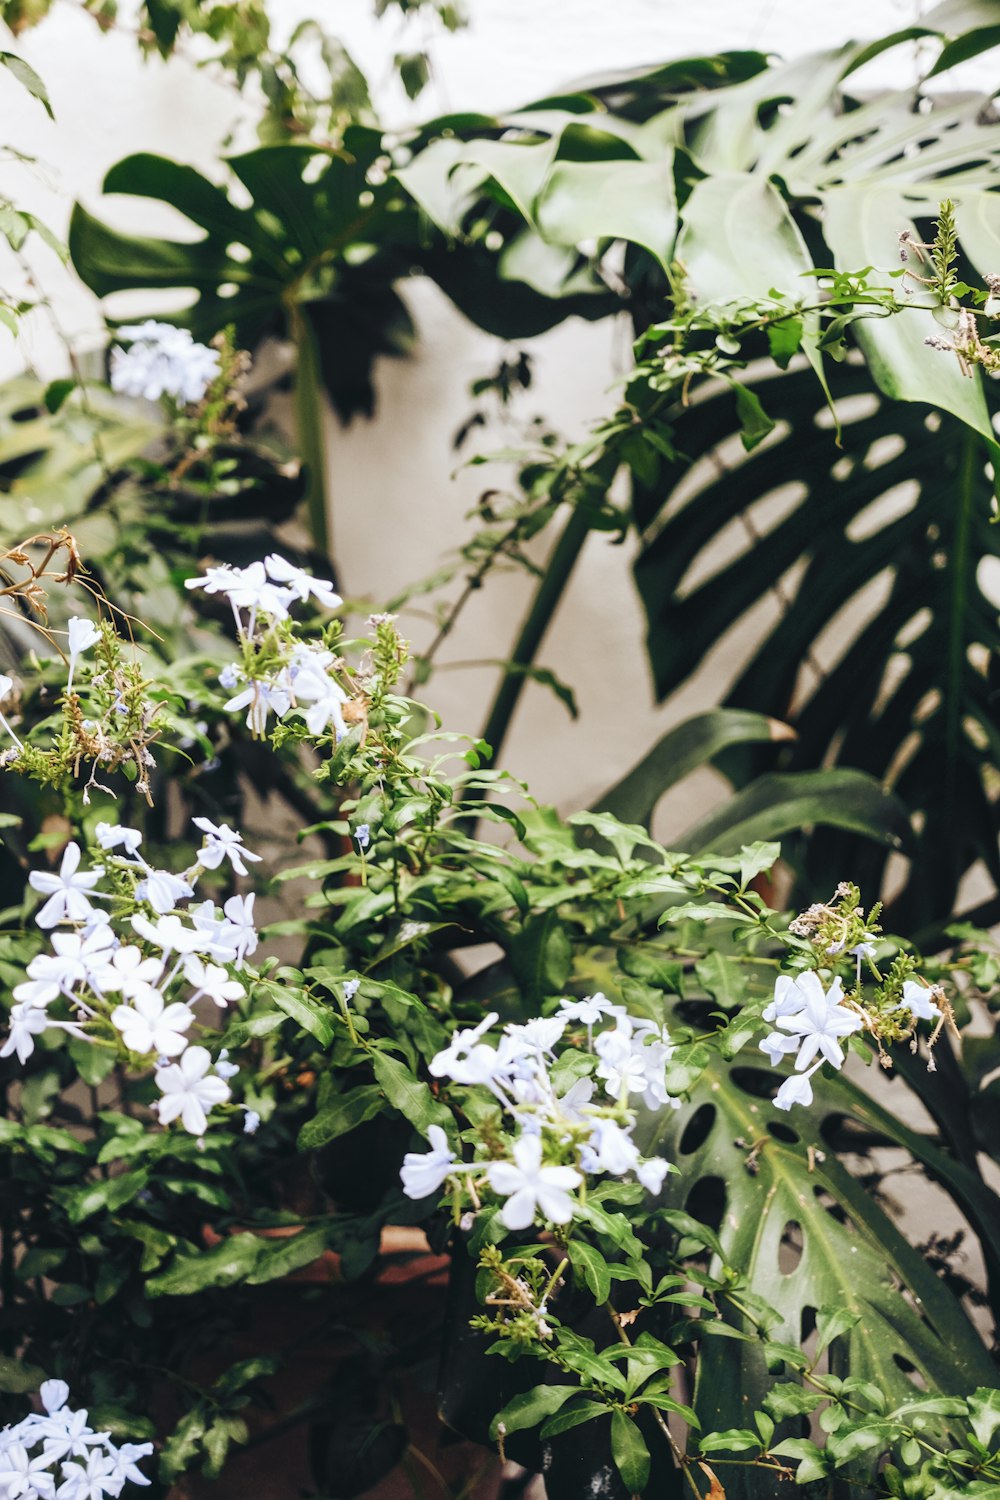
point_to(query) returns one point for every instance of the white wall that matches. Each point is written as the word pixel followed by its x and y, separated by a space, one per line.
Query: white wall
pixel 397 505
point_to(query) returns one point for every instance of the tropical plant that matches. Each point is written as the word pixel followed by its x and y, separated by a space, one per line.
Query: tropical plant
pixel 753 202
pixel 618 1188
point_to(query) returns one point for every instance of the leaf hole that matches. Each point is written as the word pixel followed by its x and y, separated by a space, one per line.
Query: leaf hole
pixel 754 1081
pixel 707 1201
pixel 790 1248
pixel 828 1202
pixel 697 1129
pixel 807 1324
pixel 783 1132
pixel 909 1369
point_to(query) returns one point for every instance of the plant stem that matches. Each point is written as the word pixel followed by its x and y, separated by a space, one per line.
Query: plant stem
pixel 547 596
pixel 309 426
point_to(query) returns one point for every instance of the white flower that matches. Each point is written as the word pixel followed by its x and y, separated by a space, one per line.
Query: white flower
pixel 424 1173
pixel 149 1025
pixel 219 937
pixel 777 1047
pixel 90 1480
pixel 529 1187
pixel 239 911
pixel 126 1460
pixel 189 1089
pixel 223 1067
pixel 918 999
pixel 613 1149
pixel 249 588
pixel 819 1025
pixel 38 992
pixel 794 1090
pixel 26 1022
pixel 261 699
pixel 54 1394
pixel 230 676
pixel 575 1099
pixel 163 890
pixel 130 974
pixel 790 994
pixel 622 1067
pixel 115 835
pixel 300 583
pixel 537 1036
pixel 21 1476
pixel 169 934
pixel 211 980
pixel 466 1059
pixel 67 1434
pixel 654 1058
pixel 590 1010
pixel 311 684
pixel 82 634
pixel 79 958
pixel 66 902
pixel 251 1122
pixel 222 842
pixel 163 361
pixel 651 1173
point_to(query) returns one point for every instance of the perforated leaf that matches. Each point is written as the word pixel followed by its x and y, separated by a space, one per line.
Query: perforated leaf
pixel 881 622
pixel 807 1237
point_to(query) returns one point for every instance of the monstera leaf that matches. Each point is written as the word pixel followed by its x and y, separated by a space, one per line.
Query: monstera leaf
pixel 317 235
pixel 882 638
pixel 806 1236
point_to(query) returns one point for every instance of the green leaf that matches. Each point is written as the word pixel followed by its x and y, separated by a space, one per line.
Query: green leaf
pixel 592 1268
pixel 861 225
pixel 629 1451
pixel 341 1114
pixel 28 78
pixel 226 1264
pixel 984 1413
pixel 755 424
pixel 757 859
pixel 853 1258
pixel 682 750
pixel 832 1323
pixel 812 1465
pixel 104 1196
pixel 541 956
pixel 409 1094
pixel 627 200
pixel 531 1408
pixel 309 1014
pixel 785 802
pixel 17 1378
pixel 733 1440
pixel 573 1414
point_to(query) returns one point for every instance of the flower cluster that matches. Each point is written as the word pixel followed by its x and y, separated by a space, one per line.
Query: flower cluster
pixel 56 1455
pixel 134 989
pixel 812 1017
pixel 811 1021
pixel 163 361
pixel 279 672
pixel 565 1115
pixel 107 720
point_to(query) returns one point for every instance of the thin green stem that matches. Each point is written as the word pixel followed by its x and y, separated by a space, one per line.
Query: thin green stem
pixel 309 426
